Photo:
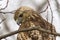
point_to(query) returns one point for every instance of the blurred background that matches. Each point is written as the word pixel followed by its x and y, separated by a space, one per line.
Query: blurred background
pixel 8 24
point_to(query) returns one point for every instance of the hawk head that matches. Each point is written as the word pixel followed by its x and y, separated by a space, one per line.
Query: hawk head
pixel 22 13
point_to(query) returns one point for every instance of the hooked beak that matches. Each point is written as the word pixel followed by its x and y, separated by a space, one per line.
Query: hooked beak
pixel 19 21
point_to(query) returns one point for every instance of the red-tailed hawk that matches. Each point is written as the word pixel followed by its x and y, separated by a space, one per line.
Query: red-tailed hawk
pixel 29 18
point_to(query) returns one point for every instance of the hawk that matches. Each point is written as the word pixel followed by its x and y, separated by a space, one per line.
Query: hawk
pixel 26 17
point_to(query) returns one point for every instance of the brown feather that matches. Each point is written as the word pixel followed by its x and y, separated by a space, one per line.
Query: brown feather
pixel 33 19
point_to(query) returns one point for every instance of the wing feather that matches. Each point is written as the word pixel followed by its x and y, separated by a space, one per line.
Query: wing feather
pixel 34 20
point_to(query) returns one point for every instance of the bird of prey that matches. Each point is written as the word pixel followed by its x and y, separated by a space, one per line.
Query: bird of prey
pixel 26 17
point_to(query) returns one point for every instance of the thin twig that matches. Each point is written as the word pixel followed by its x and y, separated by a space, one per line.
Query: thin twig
pixel 44 10
pixel 11 12
pixel 2 21
pixel 51 15
pixel 5 6
pixel 7 12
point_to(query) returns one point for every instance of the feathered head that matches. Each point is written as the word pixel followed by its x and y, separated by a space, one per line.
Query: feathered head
pixel 20 13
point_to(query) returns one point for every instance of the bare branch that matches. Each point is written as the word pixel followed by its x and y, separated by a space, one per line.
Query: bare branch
pixel 12 12
pixel 51 14
pixel 5 6
pixel 29 29
pixel 2 21
pixel 44 10
pixel 2 18
pixel 7 12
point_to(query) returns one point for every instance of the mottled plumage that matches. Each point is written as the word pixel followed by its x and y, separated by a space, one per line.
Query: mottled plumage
pixel 30 18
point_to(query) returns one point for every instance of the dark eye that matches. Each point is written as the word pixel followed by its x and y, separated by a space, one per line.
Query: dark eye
pixel 20 15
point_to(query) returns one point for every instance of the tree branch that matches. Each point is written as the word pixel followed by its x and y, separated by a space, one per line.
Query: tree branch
pixel 29 29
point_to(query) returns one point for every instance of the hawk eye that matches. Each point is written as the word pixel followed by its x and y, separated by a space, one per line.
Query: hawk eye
pixel 20 15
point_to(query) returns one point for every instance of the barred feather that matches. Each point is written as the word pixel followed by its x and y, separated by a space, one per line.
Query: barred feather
pixel 31 18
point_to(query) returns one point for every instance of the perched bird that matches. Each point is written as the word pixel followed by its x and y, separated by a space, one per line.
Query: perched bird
pixel 28 18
